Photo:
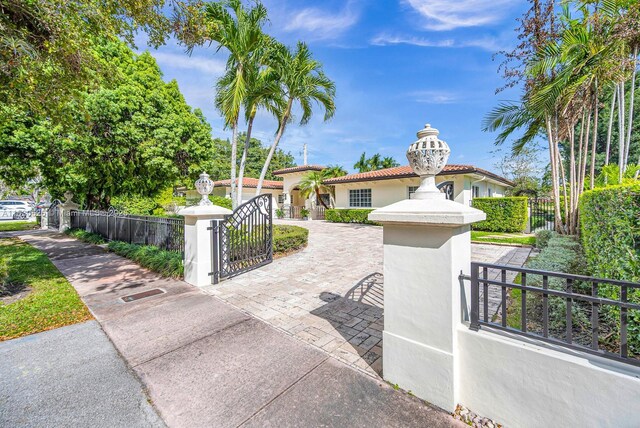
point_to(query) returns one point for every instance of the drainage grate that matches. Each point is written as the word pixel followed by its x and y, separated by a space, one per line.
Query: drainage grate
pixel 138 296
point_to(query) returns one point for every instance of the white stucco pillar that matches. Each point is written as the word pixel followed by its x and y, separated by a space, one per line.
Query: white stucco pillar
pixel 44 216
pixel 64 211
pixel 198 242
pixel 427 243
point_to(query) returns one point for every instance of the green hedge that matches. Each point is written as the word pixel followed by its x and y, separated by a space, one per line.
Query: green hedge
pixel 610 231
pixel 166 263
pixel 289 238
pixel 507 214
pixel 349 216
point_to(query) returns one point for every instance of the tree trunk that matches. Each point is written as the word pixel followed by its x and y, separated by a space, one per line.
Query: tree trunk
pixel 613 108
pixel 592 173
pixel 630 124
pixel 243 160
pixel 272 150
pixel 554 176
pixel 234 160
pixel 320 199
pixel 621 108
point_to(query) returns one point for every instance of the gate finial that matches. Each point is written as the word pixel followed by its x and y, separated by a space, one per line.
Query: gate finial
pixel 204 186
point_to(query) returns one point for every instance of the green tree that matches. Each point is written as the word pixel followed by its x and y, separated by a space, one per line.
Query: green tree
pixel 241 35
pixel 46 46
pixel 136 137
pixel 389 162
pixel 363 164
pixel 302 81
pixel 332 171
pixel 313 184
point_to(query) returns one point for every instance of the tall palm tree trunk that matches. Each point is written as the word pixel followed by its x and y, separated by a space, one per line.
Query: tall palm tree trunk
pixel 234 161
pixel 592 173
pixel 631 102
pixel 243 160
pixel 272 150
pixel 554 175
pixel 613 108
pixel 622 144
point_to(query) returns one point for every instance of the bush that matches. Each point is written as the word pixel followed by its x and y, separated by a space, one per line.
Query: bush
pixel 166 263
pixel 507 214
pixel 289 238
pixel 221 201
pixel 349 216
pixel 92 238
pixel 543 237
pixel 610 232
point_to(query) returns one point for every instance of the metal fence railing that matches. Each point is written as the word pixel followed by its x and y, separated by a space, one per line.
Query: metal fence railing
pixel 164 233
pixel 593 315
pixel 541 214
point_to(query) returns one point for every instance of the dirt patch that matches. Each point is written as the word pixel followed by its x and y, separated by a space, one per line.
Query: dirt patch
pixel 12 292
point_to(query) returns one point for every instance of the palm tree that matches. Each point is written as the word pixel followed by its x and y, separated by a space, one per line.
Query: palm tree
pixel 263 92
pixel 332 171
pixel 363 164
pixel 313 184
pixel 389 162
pixel 375 162
pixel 302 81
pixel 242 36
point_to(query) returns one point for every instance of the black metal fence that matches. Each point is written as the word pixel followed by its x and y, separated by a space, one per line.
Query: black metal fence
pixel 53 214
pixel 541 214
pixel 164 233
pixel 563 309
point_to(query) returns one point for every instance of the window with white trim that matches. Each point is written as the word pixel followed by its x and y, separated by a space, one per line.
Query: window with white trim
pixel 490 192
pixel 412 190
pixel 281 198
pixel 475 191
pixel 360 198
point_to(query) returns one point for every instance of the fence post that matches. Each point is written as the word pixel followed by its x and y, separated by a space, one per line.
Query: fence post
pixel 65 212
pixel 198 245
pixel 427 243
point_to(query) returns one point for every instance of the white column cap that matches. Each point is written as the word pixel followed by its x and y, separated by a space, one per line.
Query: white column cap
pixel 436 212
pixel 205 211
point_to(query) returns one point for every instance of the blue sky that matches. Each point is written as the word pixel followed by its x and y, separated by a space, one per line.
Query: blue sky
pixel 397 64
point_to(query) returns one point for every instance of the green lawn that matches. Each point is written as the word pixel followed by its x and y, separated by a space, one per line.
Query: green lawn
pixel 52 302
pixel 9 226
pixel 503 238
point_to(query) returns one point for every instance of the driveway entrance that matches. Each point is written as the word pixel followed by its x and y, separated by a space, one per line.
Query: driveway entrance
pixel 331 293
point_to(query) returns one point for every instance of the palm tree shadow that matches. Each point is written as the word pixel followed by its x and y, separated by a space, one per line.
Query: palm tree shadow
pixel 358 317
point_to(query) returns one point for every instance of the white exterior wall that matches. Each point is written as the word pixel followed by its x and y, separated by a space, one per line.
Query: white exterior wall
pixel 387 192
pixel 522 384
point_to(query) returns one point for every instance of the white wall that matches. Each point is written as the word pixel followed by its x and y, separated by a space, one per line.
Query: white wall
pixel 387 192
pixel 522 384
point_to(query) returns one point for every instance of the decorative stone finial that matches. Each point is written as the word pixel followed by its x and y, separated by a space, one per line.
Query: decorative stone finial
pixel 204 186
pixel 427 157
pixel 68 196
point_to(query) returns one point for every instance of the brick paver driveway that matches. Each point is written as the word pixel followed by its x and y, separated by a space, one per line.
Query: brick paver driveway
pixel 331 293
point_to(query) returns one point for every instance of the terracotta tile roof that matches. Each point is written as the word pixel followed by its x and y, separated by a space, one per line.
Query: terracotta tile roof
pixel 407 172
pixel 299 168
pixel 250 182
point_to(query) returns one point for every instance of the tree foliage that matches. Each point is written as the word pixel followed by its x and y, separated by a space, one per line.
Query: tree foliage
pixel 374 163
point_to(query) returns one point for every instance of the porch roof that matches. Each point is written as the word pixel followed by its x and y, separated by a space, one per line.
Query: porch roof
pixel 300 168
pixel 251 182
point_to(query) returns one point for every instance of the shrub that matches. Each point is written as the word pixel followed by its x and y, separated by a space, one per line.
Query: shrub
pixel 166 263
pixel 349 216
pixel 610 232
pixel 92 238
pixel 137 205
pixel 221 201
pixel 280 213
pixel 543 237
pixel 507 214
pixel 289 238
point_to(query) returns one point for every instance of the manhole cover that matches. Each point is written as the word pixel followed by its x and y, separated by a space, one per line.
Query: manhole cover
pixel 138 296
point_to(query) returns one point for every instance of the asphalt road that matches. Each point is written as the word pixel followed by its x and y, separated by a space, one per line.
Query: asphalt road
pixel 70 377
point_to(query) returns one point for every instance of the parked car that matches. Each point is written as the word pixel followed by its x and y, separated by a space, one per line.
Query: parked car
pixel 18 210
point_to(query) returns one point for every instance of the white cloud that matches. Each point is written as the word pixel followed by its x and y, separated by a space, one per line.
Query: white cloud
pixel 183 61
pixel 321 24
pixel 445 15
pixel 491 44
pixel 435 97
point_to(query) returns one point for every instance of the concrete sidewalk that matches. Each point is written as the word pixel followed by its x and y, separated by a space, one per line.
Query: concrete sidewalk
pixel 206 363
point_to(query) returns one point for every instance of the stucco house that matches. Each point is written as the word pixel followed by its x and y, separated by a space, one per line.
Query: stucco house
pixel 373 189
pixel 376 189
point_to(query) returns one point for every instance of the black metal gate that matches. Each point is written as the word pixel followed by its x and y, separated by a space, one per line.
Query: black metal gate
pixel 541 214
pixel 244 240
pixel 53 214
